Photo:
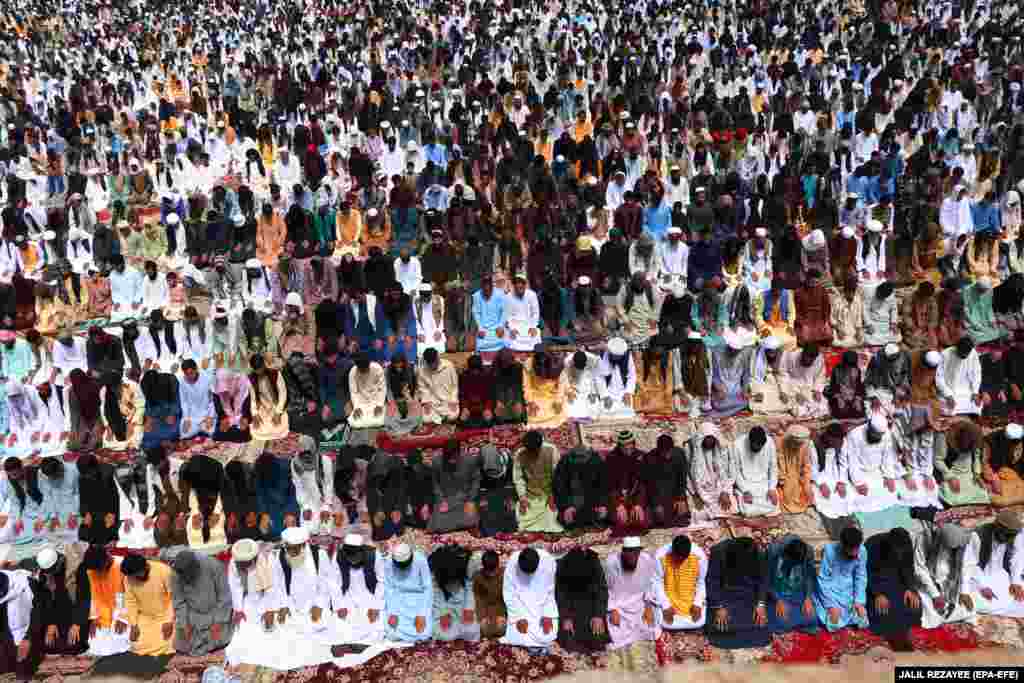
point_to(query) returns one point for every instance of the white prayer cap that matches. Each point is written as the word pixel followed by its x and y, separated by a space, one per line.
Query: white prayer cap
pixel 384 125
pixel 852 195
pixel 239 219
pixel 354 540
pixel 875 225
pixel 618 346
pixel 879 424
pixel 294 535
pixel 372 213
pixel 583 281
pixel 1015 86
pixel 932 359
pixel 847 232
pixel 630 125
pixel 47 558
pixel 560 158
pixel 402 553
pixel 858 86
pixel 172 219
pixel 253 263
pixel 700 189
pixel 799 432
pixel 631 543
pixel 1014 431
pixel 984 282
pixel 675 167
pixel 678 290
pixel 772 343
pixel 969 147
pixel 891 350
pixel 762 232
pixel 245 550
pixel 426 288
pixel 814 241
pixel 49 235
pixel 674 231
pixel 694 334
pixel 411 147
pixel 733 340
pixel 293 299
pixel 959 188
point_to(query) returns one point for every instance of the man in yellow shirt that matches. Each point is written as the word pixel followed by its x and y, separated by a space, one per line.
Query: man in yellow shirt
pixel 147 601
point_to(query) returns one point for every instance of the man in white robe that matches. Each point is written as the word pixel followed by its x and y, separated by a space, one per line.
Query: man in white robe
pixel 994 566
pixel 872 467
pixel 367 385
pixel 712 479
pixel 939 554
pixel 154 290
pixel 408 596
pixel 429 311
pixel 313 478
pixel 68 354
pixel 803 381
pixel 756 467
pixel 529 591
pixel 125 291
pixel 358 591
pixel 617 371
pixel 632 607
pixel 917 439
pixel 437 388
pixel 54 421
pixel 196 397
pixel 672 258
pixel 955 216
pixel 522 315
pixel 408 271
pixel 768 390
pixel 958 379
pixel 302 587
pixel 250 578
pixel 585 391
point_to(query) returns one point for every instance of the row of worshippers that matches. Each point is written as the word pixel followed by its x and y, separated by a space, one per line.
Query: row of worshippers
pixel 160 501
pixel 739 594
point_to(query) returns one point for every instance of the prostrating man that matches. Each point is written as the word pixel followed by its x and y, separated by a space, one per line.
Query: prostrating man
pixel 939 553
pixel 456 486
pixel 872 467
pixel 358 590
pixel 368 391
pixel 437 388
pixel 581 594
pixel 792 580
pixel 632 617
pixel 148 605
pixel 533 473
pixel 488 598
pixel 664 473
pixel 251 587
pixel 21 636
pixel 302 586
pixel 580 488
pixel 627 505
pixel 202 603
pixel 958 379
pixel 994 563
pixel 841 597
pixel 711 479
pixel 454 602
pixel 680 582
pixel 895 605
pixel 63 598
pixel 408 595
pixel 529 592
pixel 757 473
pixel 737 590
pixel 109 630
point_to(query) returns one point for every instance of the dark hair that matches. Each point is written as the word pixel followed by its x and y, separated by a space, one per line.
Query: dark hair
pixel 851 537
pixel 529 560
pixel 682 545
pixel 133 565
pixel 533 440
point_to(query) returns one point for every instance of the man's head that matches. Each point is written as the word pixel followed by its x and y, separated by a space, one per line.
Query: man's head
pixel 630 556
pixel 244 553
pixel 190 370
pixel 681 546
pixel 362 361
pixel 964 347
pixel 402 556
pixel 52 468
pixel 529 560
pixel 487 285
pixel 295 540
pixel 135 567
pixel 97 558
pixel 490 563
pixel 850 540
pixel 532 441
pixel 186 566
pixel 757 438
pixel 877 428
pixel 354 550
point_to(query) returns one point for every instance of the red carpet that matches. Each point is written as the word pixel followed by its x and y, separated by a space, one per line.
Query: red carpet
pixel 803 648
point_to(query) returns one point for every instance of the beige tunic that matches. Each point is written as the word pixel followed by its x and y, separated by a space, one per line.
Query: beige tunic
pixel 438 391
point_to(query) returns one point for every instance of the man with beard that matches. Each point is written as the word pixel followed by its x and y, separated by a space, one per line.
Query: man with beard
pixel 711 477
pixel 249 578
pixel 456 485
pixel 627 503
pixel 397 323
pixel 99 501
pixel 730 377
pixel 847 315
pixel 357 591
pixel 939 553
pixel 126 291
pixel 529 591
pixel 958 379
pixel 637 310
pixel 994 565
pixel 581 594
pixel 196 399
pixel 489 316
pixel 522 315
pixel 437 387
pixel 871 466
pixel 756 467
pixel 632 621
pixel 367 393
pixel 803 376
pixel 428 312
pixel 887 382
pixel 408 595
pixel 841 593
pixel 533 473
pixel 302 587
pixel 408 271
pixel 154 290
pixel 64 598
pixel 438 261
pixel 580 489
pixel 149 607
pixel 881 316
pixel 202 604
pixel 587 313
pixel 845 390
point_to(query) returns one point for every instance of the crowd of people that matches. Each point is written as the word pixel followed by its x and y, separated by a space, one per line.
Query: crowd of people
pixel 248 221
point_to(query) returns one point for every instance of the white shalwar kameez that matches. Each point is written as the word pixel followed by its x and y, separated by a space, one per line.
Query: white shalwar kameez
pixel 919 461
pixel 530 597
pixel 711 475
pixel 430 325
pixel 959 379
pixel 586 390
pixel 616 389
pixel 315 498
pixel 870 464
pixel 834 505
pixel 358 601
pixel 522 318
pixel 932 575
pixel 756 475
pixel 994 577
